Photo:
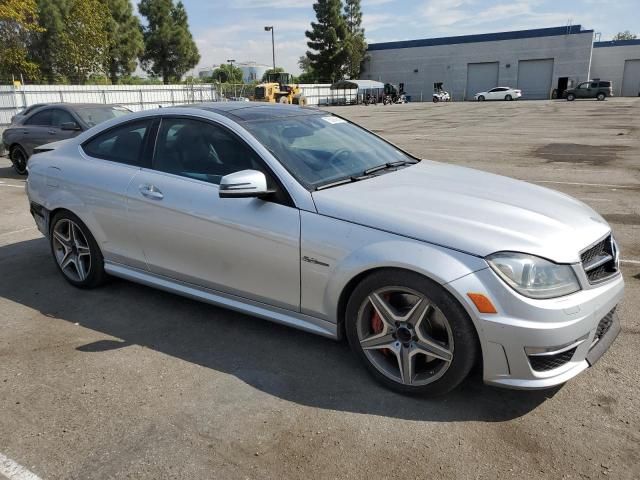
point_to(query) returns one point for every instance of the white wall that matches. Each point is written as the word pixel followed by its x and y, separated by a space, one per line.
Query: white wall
pixel 135 97
pixel 608 63
pixel 571 56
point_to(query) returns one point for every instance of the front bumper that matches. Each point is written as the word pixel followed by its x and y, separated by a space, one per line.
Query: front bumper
pixel 566 329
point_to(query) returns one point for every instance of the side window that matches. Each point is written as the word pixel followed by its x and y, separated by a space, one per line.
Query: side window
pixel 122 144
pixel 201 150
pixel 584 85
pixel 594 85
pixel 42 118
pixel 58 117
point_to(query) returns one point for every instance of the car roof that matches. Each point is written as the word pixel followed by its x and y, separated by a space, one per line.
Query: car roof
pixel 248 111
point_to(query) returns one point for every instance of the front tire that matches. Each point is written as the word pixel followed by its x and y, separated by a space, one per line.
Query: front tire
pixel 75 251
pixel 481 98
pixel 19 159
pixel 410 333
pixel 436 99
pixel 571 97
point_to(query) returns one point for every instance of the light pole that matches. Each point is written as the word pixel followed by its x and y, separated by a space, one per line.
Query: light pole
pixel 273 46
pixel 231 62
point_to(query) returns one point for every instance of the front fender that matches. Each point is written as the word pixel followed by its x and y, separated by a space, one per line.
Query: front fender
pixel 334 252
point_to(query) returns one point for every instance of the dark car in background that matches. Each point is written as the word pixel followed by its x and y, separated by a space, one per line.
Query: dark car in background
pixel 599 89
pixel 50 123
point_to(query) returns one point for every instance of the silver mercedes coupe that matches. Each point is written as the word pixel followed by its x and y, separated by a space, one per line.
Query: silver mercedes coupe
pixel 301 217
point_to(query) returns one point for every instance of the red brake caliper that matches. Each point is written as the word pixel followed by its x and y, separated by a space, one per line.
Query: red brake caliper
pixel 377 325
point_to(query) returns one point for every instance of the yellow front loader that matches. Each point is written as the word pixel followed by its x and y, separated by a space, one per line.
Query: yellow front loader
pixel 280 88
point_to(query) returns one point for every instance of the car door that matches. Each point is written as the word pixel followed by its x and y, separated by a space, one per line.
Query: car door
pixel 583 90
pixel 55 131
pixel 491 94
pixel 247 247
pixel 35 130
pixel 100 177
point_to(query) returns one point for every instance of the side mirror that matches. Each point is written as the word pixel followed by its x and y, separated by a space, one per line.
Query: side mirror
pixel 244 184
pixel 69 126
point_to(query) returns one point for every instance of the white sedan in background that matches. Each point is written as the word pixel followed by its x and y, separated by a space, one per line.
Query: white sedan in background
pixel 499 93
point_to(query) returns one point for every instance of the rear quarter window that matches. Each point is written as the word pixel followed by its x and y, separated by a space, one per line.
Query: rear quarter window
pixel 122 144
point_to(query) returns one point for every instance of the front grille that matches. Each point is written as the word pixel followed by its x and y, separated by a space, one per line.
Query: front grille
pixel 259 93
pixel 544 363
pixel 603 326
pixel 600 261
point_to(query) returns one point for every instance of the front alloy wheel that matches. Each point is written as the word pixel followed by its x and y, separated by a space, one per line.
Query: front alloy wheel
pixel 405 336
pixel 411 334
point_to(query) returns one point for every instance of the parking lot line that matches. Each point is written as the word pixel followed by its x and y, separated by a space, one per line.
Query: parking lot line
pixel 15 471
pixel 633 262
pixel 587 184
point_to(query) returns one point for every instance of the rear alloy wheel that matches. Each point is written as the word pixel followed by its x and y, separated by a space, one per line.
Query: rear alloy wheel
pixel 481 98
pixel 571 97
pixel 508 98
pixel 601 96
pixel 76 252
pixel 19 159
pixel 284 99
pixel 410 333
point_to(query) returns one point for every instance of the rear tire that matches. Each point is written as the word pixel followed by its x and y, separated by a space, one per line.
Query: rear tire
pixel 19 159
pixel 601 96
pixel 442 324
pixel 75 251
pixel 508 98
pixel 284 100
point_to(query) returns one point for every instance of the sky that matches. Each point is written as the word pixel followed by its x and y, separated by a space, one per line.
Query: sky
pixel 234 29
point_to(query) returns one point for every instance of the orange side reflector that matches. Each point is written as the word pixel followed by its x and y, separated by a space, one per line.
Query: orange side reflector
pixel 482 303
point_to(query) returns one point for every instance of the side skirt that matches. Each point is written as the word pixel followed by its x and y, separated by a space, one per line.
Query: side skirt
pixel 233 302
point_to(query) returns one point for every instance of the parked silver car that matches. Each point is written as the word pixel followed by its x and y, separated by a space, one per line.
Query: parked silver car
pixel 49 123
pixel 300 217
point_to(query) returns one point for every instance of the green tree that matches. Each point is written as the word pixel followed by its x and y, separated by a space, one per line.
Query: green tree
pixel 46 47
pixel 126 42
pixel 355 46
pixel 84 42
pixel 326 40
pixel 227 73
pixel 307 75
pixel 18 22
pixel 169 47
pixel 626 35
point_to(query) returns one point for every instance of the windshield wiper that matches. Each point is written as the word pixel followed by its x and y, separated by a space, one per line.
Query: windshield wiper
pixel 387 165
pixel 366 173
pixel 342 181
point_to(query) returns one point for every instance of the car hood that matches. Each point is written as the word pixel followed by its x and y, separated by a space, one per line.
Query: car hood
pixel 468 210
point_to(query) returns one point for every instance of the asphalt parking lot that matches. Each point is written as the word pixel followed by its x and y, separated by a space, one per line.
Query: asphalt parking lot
pixel 130 382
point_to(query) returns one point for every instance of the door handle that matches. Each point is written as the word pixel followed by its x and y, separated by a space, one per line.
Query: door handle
pixel 51 132
pixel 151 191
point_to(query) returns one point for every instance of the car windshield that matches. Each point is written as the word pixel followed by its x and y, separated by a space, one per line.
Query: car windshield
pixel 322 149
pixel 97 114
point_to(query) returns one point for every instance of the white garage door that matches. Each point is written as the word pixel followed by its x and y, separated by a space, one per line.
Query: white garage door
pixel 481 77
pixel 631 79
pixel 534 78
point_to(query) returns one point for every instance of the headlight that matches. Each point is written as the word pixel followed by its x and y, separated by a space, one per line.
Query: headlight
pixel 533 276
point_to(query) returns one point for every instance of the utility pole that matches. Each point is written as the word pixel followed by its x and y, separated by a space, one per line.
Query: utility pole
pixel 231 62
pixel 273 46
